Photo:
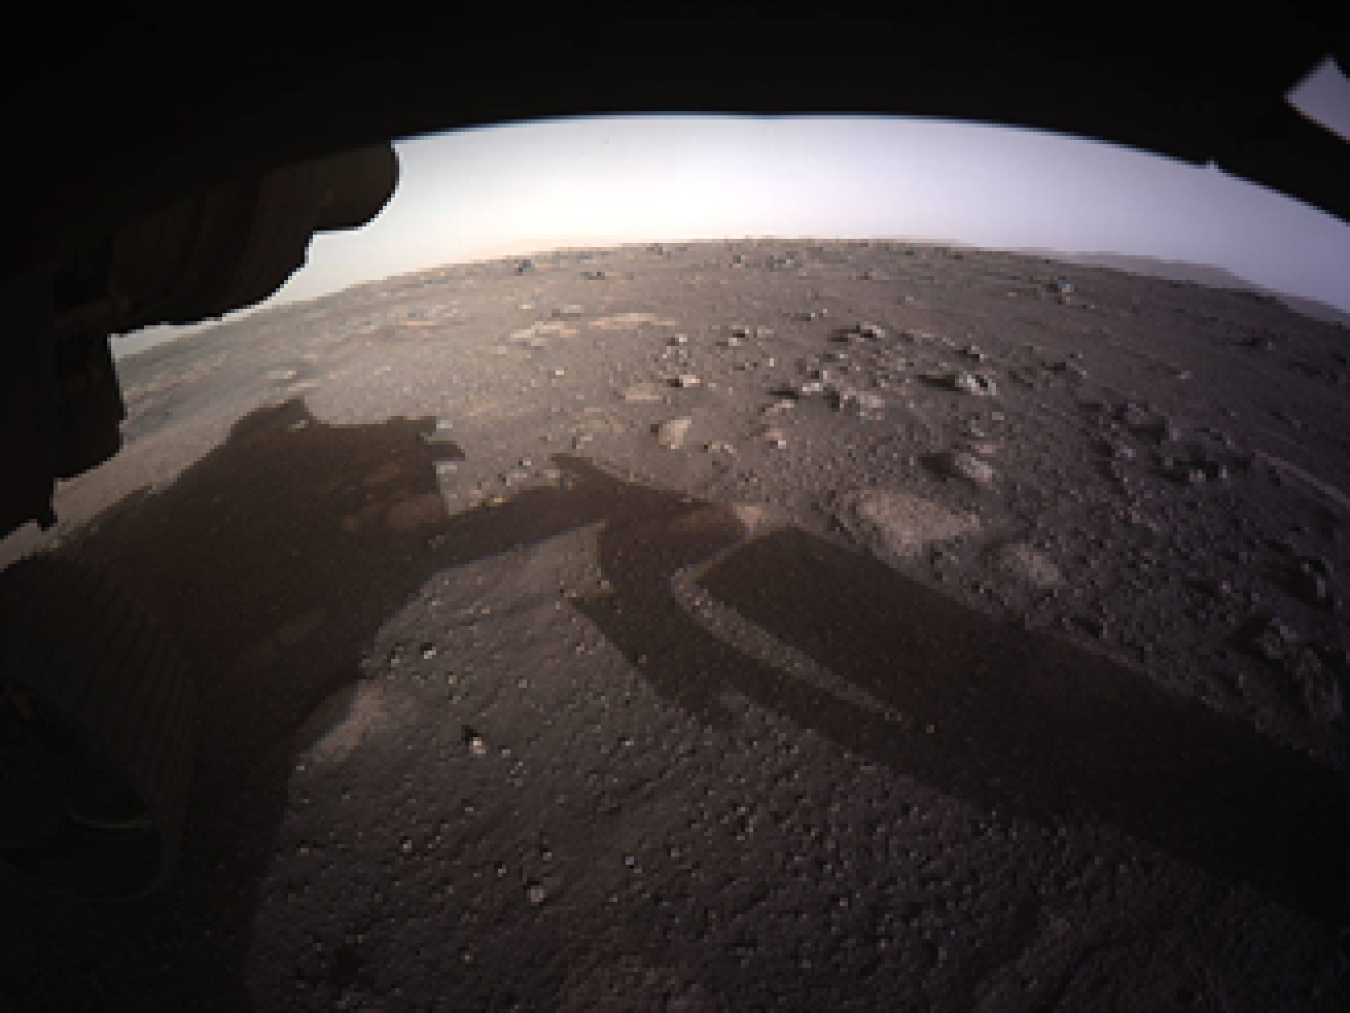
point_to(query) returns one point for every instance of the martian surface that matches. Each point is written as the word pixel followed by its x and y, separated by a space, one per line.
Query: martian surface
pixel 799 625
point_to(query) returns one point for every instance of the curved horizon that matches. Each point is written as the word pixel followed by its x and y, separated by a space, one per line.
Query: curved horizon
pixel 521 189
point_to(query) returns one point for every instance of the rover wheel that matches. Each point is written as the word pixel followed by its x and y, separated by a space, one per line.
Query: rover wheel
pixel 95 721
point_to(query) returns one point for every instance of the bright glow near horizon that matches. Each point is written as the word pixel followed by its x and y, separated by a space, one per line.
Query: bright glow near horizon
pixel 526 188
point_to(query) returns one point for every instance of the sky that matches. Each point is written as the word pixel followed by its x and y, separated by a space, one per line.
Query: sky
pixel 522 188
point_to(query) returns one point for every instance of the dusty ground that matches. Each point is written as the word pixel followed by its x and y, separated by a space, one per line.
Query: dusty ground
pixel 1022 690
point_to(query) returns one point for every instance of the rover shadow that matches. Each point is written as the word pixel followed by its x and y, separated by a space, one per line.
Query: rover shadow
pixel 272 560
pixel 278 556
pixel 1002 716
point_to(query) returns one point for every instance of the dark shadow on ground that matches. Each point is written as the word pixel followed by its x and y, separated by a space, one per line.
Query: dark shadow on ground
pixel 278 556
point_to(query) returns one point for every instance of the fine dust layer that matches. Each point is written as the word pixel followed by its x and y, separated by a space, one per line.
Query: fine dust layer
pixel 780 625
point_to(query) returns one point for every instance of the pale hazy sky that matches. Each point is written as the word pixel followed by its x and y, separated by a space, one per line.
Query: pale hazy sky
pixel 528 187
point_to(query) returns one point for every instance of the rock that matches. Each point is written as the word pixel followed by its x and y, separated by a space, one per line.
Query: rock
pixel 1134 415
pixel 903 523
pixel 1116 450
pixel 719 447
pixel 810 387
pixel 1271 639
pixel 671 434
pixel 1322 694
pixel 972 352
pixel 475 742
pixel 1313 582
pixel 871 331
pixel 525 266
pixel 1073 368
pixel 778 407
pixel 678 339
pixel 775 438
pixel 973 383
pixel 1024 564
pixel 687 380
pixel 1062 286
pixel 571 310
pixel 536 894
pixel 858 402
pixel 280 374
pixel 594 275
pixel 961 464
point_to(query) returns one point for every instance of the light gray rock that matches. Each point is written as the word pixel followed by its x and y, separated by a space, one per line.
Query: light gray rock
pixel 1024 564
pixel 965 465
pixel 903 523
pixel 976 384
pixel 671 434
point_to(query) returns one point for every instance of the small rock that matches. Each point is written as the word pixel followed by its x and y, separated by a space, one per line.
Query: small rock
pixel 477 746
pixel 679 339
pixel 1021 562
pixel 687 380
pixel 779 407
pixel 962 464
pixel 1313 582
pixel 858 402
pixel 536 894
pixel 810 387
pixel 872 331
pixel 1134 415
pixel 671 434
pixel 718 447
pixel 972 352
pixel 525 266
pixel 973 383
pixel 1272 640
pixel 775 438
pixel 1073 368
pixel 280 374
pixel 594 275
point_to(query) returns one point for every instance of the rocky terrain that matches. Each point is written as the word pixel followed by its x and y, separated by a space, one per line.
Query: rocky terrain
pixel 748 625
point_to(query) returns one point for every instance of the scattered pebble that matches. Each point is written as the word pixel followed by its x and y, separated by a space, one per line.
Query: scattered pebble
pixel 973 383
pixel 671 434
pixel 961 464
